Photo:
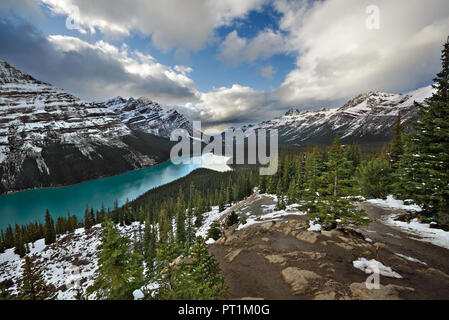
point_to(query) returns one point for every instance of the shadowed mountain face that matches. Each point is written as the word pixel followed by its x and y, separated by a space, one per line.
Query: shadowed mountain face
pixel 50 138
pixel 367 118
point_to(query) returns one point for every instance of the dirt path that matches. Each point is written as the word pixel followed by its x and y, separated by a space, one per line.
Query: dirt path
pixel 401 242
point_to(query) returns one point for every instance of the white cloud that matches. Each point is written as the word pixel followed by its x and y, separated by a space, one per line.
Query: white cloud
pixel 236 104
pixel 338 57
pixel 137 74
pixel 183 69
pixel 171 23
pixel 236 49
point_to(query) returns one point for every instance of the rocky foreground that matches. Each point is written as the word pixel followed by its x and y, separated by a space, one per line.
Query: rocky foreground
pixel 282 259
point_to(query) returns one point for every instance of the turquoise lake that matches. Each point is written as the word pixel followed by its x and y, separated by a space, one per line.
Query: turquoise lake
pixel 28 206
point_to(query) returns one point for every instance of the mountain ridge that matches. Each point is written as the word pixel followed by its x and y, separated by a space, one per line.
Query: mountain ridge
pixel 49 137
pixel 367 118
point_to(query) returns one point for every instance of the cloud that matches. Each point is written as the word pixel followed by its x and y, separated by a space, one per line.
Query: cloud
pixel 92 71
pixel 338 57
pixel 267 72
pixel 236 104
pixel 236 50
pixel 175 23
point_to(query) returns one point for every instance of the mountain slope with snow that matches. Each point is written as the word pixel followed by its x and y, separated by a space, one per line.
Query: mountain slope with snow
pixel 49 137
pixel 148 116
pixel 368 118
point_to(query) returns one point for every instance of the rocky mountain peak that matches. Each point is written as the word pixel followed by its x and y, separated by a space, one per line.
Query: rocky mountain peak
pixel 11 75
pixel 148 116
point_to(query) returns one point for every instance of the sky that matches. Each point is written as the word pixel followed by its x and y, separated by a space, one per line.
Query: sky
pixel 227 62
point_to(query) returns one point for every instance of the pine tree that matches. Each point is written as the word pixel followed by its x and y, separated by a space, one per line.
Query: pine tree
pixel 149 244
pixel 375 178
pixel 33 284
pixel 424 168
pixel 292 192
pixel 196 277
pixel 397 145
pixel 120 270
pixel 214 231
pixel 354 155
pixel 180 221
pixel 19 243
pixel 50 232
pixel 9 238
pixel 335 204
pixel 233 219
pixel 336 181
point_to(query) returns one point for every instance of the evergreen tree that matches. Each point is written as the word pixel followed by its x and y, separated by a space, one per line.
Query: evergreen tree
pixel 424 169
pixel 354 155
pixel 292 192
pixel 19 243
pixel 196 277
pixel 375 178
pixel 335 204
pixel 50 232
pixel 33 284
pixel 9 238
pixel 119 269
pixel 214 231
pixel 397 145
pixel 233 219
pixel 149 244
pixel 180 222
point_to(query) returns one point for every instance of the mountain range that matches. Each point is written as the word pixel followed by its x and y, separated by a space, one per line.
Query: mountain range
pixel 368 118
pixel 49 137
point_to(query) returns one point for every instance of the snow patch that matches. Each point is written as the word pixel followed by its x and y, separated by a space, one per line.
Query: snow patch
pixel 314 226
pixel 372 266
pixel 421 231
pixel 391 202
pixel 410 259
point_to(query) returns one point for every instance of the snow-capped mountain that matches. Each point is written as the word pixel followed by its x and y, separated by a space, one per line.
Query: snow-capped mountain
pixel 368 118
pixel 148 116
pixel 49 137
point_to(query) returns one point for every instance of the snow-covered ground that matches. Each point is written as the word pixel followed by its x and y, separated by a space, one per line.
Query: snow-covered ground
pixel 421 231
pixel 271 213
pixel 73 259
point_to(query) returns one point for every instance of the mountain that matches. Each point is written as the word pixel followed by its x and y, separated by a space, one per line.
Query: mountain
pixel 49 138
pixel 148 116
pixel 368 118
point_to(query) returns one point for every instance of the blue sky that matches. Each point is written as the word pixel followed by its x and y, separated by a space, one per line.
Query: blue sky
pixel 227 62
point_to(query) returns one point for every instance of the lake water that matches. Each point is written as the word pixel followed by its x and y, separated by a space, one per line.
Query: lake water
pixel 27 206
